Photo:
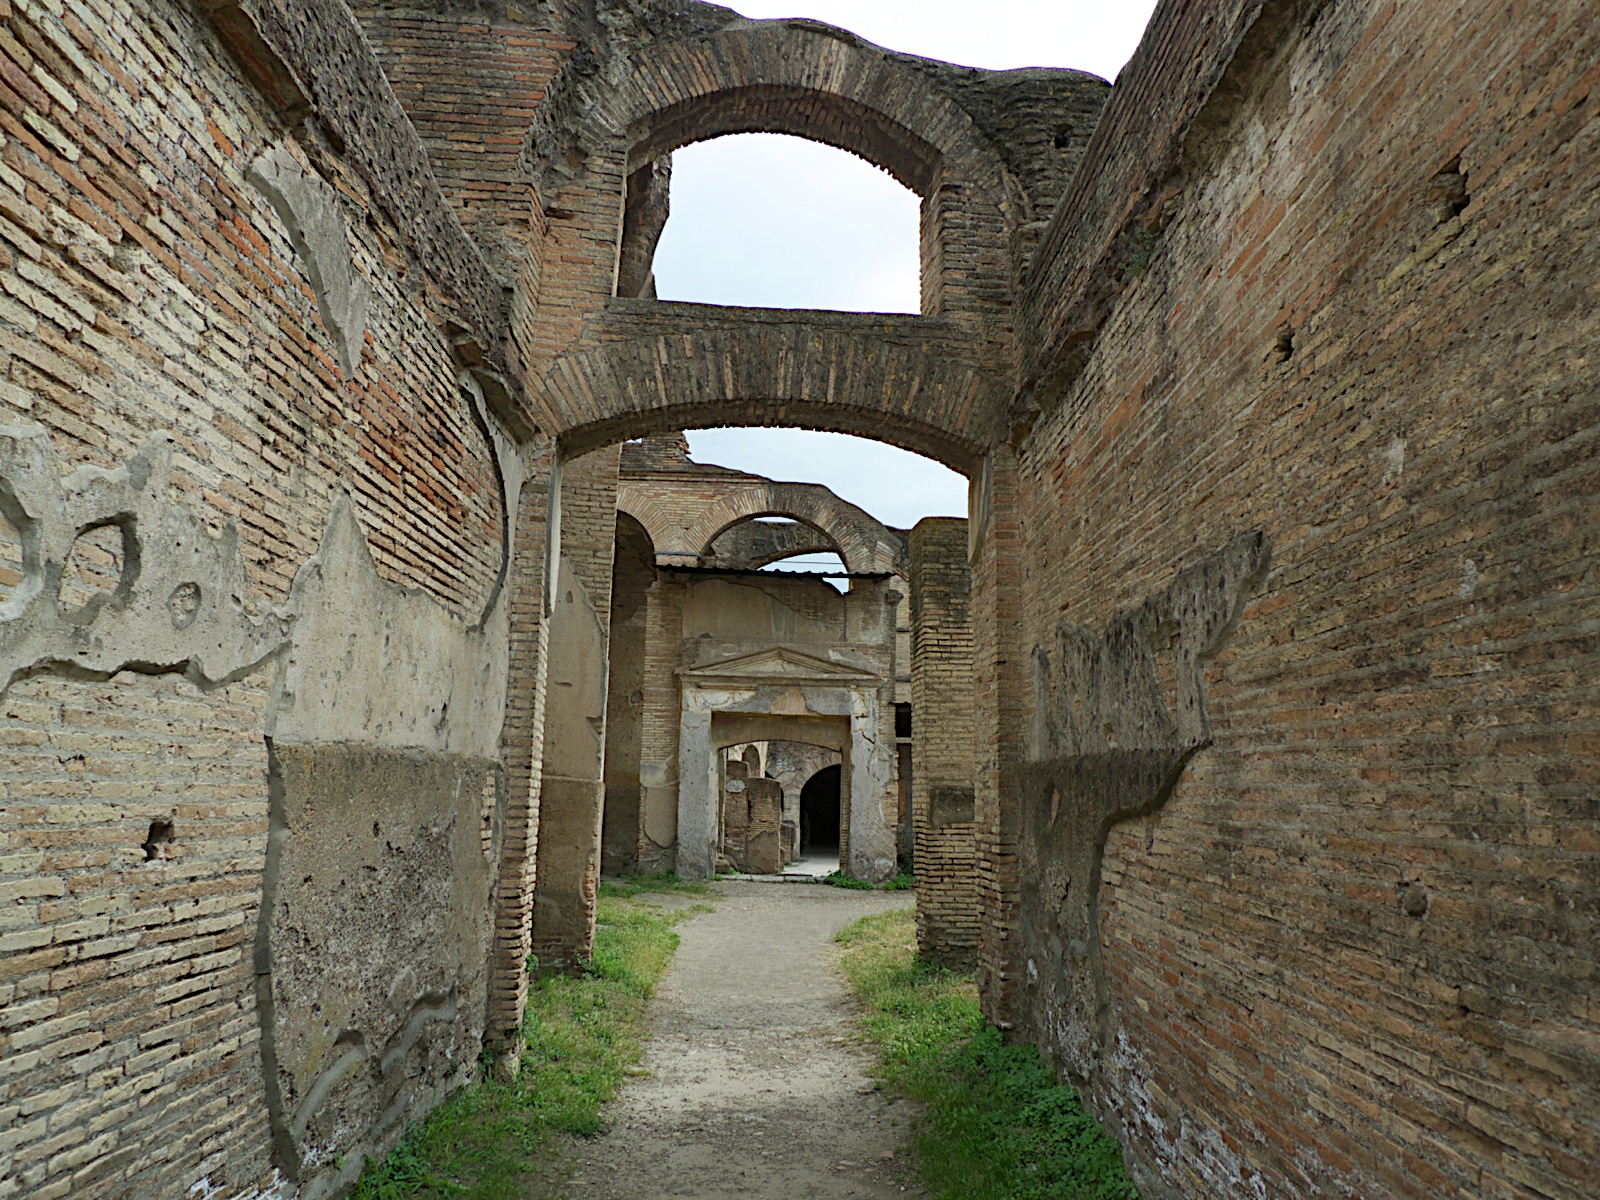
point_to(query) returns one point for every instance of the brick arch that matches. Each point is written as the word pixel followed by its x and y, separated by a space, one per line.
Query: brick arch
pixel 863 542
pixel 798 77
pixel 844 378
pixel 813 81
pixel 750 545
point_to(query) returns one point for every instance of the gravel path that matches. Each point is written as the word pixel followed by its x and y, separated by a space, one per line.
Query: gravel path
pixel 756 1086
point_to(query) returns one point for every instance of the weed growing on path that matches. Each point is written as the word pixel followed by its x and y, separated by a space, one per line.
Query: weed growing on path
pixel 581 1035
pixel 997 1125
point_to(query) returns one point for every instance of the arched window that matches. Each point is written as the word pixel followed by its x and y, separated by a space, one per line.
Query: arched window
pixel 773 221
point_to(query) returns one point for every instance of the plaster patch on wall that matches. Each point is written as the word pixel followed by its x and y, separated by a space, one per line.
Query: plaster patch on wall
pixel 382 665
pixel 177 605
pixel 309 210
pixel 1118 715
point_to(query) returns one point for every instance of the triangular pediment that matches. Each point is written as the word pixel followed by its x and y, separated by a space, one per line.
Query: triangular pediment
pixel 779 665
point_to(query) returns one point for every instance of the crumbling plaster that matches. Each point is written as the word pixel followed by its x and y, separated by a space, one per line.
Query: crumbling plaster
pixel 1118 714
pixel 372 950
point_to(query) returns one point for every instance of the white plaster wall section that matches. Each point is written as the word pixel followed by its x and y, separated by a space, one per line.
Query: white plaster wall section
pixel 576 678
pixel 697 789
pixel 658 787
pixel 745 609
pixel 872 845
pixel 178 603
pixel 424 678
pixel 310 212
pixel 514 467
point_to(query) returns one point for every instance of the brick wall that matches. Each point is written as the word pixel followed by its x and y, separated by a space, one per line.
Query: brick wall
pixel 470 84
pixel 1353 952
pixel 134 826
pixel 942 790
pixel 148 285
pixel 633 571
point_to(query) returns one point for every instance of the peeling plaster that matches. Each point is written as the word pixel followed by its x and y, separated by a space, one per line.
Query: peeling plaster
pixel 309 210
pixel 1118 715
pixel 178 607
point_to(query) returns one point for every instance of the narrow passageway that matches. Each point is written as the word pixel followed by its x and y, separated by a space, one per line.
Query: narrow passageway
pixel 756 1086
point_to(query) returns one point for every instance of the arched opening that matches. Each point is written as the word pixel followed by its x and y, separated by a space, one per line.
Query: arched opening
pixel 820 814
pixel 739 656
pixel 775 221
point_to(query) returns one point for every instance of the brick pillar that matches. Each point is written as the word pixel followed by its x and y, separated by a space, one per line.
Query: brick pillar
pixel 521 746
pixel 999 707
pixel 942 789
pixel 573 775
pixel 658 725
pixel 633 570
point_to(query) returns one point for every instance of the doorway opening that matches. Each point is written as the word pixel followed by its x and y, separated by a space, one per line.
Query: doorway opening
pixel 819 815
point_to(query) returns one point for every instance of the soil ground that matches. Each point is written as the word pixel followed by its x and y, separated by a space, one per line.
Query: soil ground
pixel 757 1086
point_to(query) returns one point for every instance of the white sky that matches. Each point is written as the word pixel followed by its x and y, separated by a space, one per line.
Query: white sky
pixel 764 220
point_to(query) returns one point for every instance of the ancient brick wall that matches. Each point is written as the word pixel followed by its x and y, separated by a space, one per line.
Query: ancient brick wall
pixel 662 698
pixel 572 783
pixel 470 81
pixel 216 314
pixel 127 975
pixel 942 788
pixel 633 571
pixel 1352 951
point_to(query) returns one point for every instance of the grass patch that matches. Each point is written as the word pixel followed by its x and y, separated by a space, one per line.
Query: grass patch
pixel 626 887
pixel 581 1034
pixel 997 1125
pixel 903 882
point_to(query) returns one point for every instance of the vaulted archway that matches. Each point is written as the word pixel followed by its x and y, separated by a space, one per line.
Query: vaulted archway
pixel 894 382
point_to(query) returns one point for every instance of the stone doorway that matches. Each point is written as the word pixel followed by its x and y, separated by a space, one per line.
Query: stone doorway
pixel 819 814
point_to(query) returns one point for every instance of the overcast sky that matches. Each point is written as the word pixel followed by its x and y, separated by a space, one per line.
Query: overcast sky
pixel 760 219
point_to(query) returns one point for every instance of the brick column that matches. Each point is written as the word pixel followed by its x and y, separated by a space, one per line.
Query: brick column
pixel 942 791
pixel 658 725
pixel 521 746
pixel 573 777
pixel 999 705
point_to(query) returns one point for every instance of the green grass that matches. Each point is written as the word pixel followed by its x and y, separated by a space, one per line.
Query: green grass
pixel 581 1035
pixel 996 1124
pixel 626 887
pixel 903 882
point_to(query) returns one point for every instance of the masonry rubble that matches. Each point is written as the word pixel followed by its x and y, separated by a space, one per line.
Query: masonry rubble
pixel 359 604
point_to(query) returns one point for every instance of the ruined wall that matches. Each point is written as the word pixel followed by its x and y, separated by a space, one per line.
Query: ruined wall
pixel 1306 522
pixel 572 788
pixel 792 764
pixel 689 506
pixel 942 742
pixel 661 697
pixel 470 78
pixel 633 572
pixel 254 654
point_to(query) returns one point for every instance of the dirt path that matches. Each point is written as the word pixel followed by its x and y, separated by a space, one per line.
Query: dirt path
pixel 756 1086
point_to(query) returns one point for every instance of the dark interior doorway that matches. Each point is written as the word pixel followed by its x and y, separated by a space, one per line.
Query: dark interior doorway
pixel 819 812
